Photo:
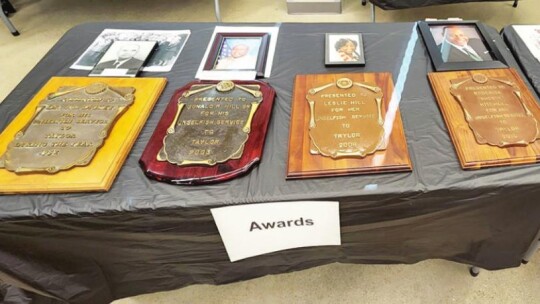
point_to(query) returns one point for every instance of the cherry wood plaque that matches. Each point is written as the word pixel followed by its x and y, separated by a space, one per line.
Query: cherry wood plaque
pixel 88 126
pixel 492 117
pixel 210 132
pixel 341 125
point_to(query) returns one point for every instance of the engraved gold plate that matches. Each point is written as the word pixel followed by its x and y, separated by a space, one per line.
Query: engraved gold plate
pixel 211 125
pixel 494 109
pixel 67 129
pixel 346 119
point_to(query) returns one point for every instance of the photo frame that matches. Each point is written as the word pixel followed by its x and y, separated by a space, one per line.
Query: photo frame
pixel 239 52
pixel 344 49
pixel 252 48
pixel 460 45
pixel 124 58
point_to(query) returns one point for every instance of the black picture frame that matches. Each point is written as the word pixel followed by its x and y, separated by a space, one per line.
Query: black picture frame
pixel 329 49
pixel 217 45
pixel 439 64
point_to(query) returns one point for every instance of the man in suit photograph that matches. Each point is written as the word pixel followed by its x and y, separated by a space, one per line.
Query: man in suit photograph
pixel 124 59
pixel 457 46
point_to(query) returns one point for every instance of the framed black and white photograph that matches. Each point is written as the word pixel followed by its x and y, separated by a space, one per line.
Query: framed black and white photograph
pixel 239 52
pixel 170 45
pixel 124 58
pixel 344 49
pixel 460 45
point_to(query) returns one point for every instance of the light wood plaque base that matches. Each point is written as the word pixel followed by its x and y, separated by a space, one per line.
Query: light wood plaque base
pixel 471 153
pixel 303 164
pixel 100 173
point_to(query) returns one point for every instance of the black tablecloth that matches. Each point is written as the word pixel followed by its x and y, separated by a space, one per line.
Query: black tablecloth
pixel 529 63
pixel 400 4
pixel 144 236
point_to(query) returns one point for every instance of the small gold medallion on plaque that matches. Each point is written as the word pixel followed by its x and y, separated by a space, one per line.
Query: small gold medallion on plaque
pixel 211 125
pixel 346 119
pixel 495 111
pixel 67 128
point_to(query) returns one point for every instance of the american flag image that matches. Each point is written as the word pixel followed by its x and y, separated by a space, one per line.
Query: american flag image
pixel 226 49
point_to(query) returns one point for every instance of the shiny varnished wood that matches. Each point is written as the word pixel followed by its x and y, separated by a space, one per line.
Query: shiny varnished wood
pixel 100 173
pixel 303 164
pixel 475 152
pixel 205 174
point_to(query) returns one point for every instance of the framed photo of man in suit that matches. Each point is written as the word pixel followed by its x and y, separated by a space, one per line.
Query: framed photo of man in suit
pixel 460 45
pixel 124 58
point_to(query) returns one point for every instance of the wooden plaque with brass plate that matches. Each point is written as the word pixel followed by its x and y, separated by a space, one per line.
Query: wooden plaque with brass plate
pixel 342 124
pixel 492 117
pixel 75 134
pixel 210 132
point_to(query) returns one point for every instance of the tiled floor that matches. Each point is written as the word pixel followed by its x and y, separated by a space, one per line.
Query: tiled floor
pixel 42 23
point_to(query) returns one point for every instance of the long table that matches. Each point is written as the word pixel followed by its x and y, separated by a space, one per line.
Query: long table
pixel 145 236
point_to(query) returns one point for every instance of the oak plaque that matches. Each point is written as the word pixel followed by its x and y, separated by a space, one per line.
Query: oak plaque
pixel 67 129
pixel 492 117
pixel 75 134
pixel 343 124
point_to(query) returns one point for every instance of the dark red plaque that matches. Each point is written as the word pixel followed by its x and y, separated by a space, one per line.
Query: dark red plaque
pixel 210 132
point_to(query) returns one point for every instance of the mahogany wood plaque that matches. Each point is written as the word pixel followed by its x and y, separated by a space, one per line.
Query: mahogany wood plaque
pixel 75 134
pixel 341 124
pixel 492 117
pixel 210 132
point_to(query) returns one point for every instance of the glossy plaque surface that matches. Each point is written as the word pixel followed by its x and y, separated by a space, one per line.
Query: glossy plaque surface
pixel 491 116
pixel 495 110
pixel 343 124
pixel 211 132
pixel 67 129
pixel 346 119
pixel 75 133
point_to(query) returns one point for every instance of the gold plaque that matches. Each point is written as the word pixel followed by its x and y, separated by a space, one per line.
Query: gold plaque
pixel 211 125
pixel 67 128
pixel 346 119
pixel 495 111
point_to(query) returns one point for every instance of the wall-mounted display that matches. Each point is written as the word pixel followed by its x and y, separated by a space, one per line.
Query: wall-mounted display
pixel 124 58
pixel 170 45
pixel 75 134
pixel 343 124
pixel 460 45
pixel 492 117
pixel 344 49
pixel 210 132
pixel 241 53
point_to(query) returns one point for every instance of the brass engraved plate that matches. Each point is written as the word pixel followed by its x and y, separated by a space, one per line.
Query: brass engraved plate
pixel 346 119
pixel 495 111
pixel 211 125
pixel 67 128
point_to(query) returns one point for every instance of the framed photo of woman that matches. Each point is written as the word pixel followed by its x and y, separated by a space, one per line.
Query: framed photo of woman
pixel 344 49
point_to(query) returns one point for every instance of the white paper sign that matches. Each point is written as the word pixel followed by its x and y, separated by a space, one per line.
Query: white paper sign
pixel 251 230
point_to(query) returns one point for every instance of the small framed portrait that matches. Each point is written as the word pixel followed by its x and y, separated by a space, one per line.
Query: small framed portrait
pixel 124 58
pixel 344 49
pixel 238 52
pixel 460 45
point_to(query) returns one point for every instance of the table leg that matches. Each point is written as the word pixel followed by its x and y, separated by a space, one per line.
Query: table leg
pixel 364 2
pixel 372 12
pixel 474 271
pixel 7 7
pixel 218 14
pixel 8 23
pixel 515 3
